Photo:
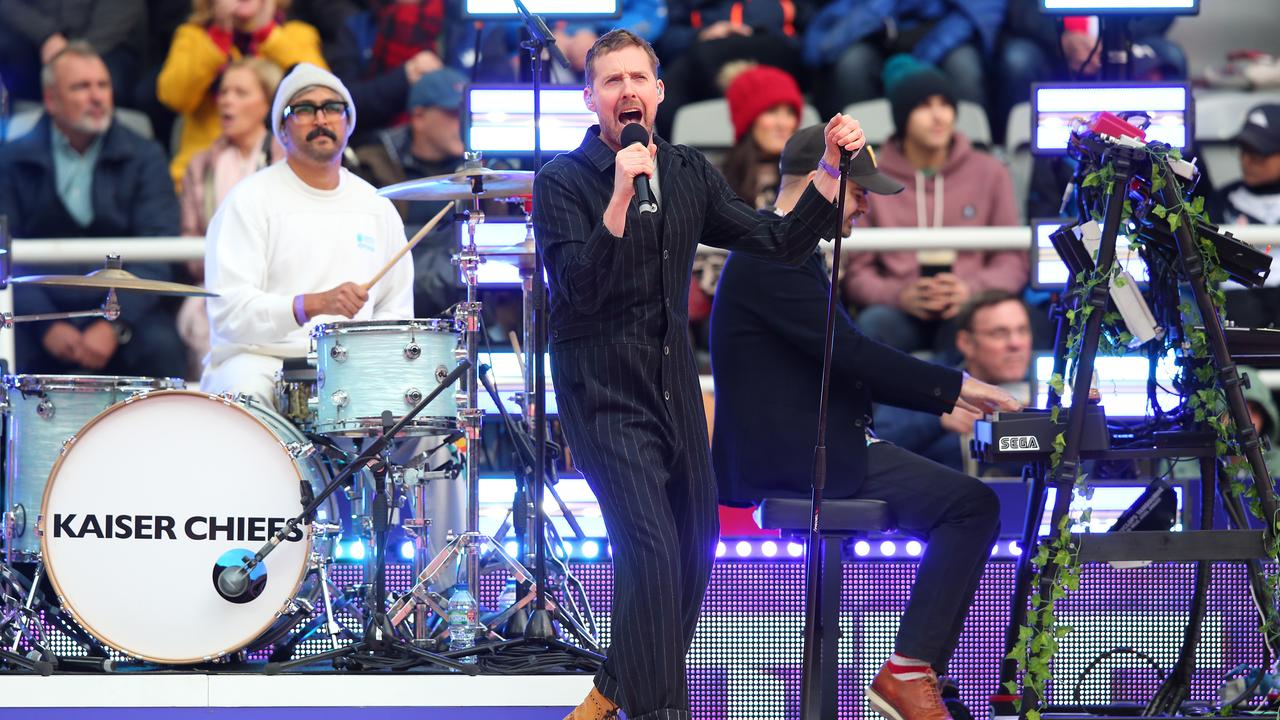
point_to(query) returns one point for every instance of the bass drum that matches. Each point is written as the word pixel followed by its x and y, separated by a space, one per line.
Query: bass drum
pixel 155 496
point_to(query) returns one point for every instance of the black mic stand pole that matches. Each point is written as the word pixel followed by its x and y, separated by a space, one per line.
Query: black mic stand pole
pixel 539 625
pixel 812 701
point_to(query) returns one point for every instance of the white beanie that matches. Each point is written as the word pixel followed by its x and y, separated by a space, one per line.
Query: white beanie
pixel 305 75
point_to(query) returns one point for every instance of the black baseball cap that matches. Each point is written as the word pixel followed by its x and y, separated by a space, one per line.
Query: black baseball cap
pixel 1261 132
pixel 802 152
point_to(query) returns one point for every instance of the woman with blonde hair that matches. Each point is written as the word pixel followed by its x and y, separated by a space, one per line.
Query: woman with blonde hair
pixel 245 146
pixel 219 32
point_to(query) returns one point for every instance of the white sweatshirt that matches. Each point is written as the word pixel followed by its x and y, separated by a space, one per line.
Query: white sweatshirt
pixel 275 237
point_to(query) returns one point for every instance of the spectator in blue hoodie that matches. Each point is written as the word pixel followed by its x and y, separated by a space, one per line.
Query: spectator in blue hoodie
pixel 850 39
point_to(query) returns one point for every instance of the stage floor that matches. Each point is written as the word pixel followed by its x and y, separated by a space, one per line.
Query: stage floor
pixel 313 696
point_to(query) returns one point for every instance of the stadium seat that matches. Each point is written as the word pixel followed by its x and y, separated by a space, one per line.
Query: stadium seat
pixel 1017 152
pixel 1219 115
pixel 706 124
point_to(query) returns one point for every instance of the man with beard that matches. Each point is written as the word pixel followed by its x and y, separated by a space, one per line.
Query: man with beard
pixel 767 331
pixel 290 244
pixel 80 174
pixel 623 367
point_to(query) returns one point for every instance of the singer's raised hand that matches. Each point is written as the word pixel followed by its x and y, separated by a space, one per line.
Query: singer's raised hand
pixel 843 133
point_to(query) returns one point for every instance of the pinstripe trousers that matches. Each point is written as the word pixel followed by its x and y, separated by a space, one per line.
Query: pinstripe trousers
pixel 651 474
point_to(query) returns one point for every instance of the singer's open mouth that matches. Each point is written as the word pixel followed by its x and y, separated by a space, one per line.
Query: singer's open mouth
pixel 630 116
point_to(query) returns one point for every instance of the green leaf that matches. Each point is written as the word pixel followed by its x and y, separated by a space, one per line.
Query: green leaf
pixel 1091 179
pixel 1120 281
pixel 1054 412
pixel 1175 220
pixel 1159 211
pixel 1197 205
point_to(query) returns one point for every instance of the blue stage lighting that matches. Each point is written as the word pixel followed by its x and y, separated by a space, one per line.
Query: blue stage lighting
pixel 548 8
pixel 355 550
pixel 406 550
pixel 499 119
pixel 590 549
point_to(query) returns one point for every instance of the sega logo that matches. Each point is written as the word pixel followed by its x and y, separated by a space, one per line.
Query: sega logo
pixel 1019 443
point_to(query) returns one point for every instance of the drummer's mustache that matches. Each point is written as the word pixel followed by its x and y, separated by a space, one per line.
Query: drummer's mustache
pixel 321 131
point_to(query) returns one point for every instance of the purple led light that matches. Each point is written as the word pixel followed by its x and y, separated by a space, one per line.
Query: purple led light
pixel 720 549
pixel 1014 550
pixel 743 548
pixel 769 548
pixel 795 549
pixel 862 548
pixel 914 548
pixel 888 548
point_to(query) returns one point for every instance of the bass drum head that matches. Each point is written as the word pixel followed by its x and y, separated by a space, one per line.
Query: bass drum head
pixel 144 504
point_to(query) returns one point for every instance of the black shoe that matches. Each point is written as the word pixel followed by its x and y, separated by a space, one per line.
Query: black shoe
pixel 951 699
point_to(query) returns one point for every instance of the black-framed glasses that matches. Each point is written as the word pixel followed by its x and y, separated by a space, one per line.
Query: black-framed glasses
pixel 307 110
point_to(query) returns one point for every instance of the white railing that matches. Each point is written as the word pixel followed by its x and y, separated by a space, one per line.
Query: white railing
pixel 174 249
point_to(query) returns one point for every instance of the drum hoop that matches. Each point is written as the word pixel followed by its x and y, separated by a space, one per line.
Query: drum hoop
pixel 365 426
pixel 66 600
pixel 90 383
pixel 361 326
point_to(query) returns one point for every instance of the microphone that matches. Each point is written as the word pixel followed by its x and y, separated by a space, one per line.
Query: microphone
pixel 631 134
pixel 233 581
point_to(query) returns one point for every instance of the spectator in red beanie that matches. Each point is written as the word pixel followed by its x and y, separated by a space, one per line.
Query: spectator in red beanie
pixel 765 105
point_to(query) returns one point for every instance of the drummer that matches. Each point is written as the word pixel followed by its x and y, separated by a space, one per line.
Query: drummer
pixel 292 244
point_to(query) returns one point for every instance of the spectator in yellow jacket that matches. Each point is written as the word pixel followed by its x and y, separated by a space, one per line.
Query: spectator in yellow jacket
pixel 217 33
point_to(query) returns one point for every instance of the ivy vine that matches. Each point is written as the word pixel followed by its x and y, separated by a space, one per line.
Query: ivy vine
pixel 1039 638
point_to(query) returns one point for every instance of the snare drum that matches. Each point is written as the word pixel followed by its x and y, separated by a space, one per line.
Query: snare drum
pixel 364 368
pixel 153 497
pixel 43 412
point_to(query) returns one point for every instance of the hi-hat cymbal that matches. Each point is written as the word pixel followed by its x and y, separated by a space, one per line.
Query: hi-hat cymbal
pixel 115 279
pixel 462 185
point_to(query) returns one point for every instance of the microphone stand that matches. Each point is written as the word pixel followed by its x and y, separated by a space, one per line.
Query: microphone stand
pixel 539 626
pixel 235 581
pixel 811 700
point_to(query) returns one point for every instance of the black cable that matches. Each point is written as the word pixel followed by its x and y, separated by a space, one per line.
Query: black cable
pixel 1084 674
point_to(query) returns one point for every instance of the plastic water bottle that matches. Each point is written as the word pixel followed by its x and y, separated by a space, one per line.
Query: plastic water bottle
pixel 463 612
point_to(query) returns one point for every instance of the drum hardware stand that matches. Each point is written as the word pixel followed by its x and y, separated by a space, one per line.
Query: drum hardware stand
pixel 538 534
pixel 110 310
pixel 471 417
pixel 379 648
pixel 11 610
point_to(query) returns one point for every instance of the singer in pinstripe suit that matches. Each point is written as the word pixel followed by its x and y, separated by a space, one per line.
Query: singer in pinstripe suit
pixel 623 369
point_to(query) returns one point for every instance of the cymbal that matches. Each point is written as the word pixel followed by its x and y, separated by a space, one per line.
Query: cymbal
pixel 459 185
pixel 115 279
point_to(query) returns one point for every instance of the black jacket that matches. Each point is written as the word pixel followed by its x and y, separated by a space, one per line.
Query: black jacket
pixel 620 353
pixel 767 327
pixel 132 197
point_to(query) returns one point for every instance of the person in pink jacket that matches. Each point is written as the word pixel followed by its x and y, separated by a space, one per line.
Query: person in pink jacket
pixel 910 299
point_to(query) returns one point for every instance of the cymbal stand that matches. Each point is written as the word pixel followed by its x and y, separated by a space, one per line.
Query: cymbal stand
pixel 470 543
pixel 110 310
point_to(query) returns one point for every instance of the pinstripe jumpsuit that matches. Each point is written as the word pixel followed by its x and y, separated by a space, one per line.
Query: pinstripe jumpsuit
pixel 627 386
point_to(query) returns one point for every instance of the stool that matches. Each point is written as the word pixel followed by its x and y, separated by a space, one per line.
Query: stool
pixel 838 521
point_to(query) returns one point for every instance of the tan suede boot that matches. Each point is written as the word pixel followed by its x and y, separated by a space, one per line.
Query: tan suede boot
pixel 595 707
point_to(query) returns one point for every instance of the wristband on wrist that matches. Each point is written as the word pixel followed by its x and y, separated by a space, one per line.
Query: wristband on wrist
pixel 828 168
pixel 299 312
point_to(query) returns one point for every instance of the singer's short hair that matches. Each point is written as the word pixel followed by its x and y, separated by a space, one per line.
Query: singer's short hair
pixel 618 39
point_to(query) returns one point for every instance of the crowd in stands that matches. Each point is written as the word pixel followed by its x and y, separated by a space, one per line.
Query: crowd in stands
pixel 203 73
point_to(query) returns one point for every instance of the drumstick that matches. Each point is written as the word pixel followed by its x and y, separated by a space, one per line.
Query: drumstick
pixel 409 246
pixel 515 345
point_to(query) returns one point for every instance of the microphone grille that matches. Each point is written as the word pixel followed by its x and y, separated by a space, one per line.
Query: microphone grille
pixel 634 133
